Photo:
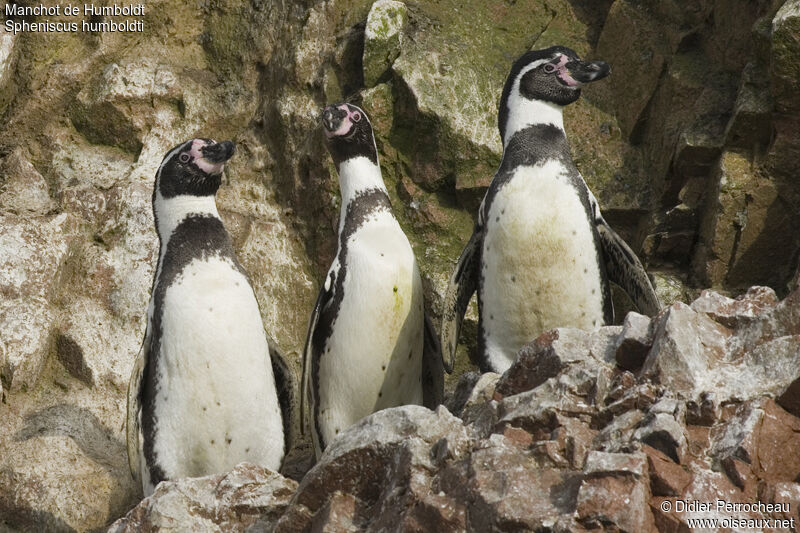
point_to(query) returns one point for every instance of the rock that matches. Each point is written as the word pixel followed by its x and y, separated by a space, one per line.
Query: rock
pixel 7 41
pixel 24 190
pixel 756 357
pixel 247 498
pixel 394 444
pixel 664 433
pixel 383 38
pixel 750 126
pixel 666 477
pixel 614 492
pixel 549 354
pixel 509 491
pixel 731 233
pixel 635 75
pixel 698 149
pixel 785 49
pixel 671 289
pixel 682 361
pixel 733 313
pixel 634 342
pixel 473 390
pixel 31 254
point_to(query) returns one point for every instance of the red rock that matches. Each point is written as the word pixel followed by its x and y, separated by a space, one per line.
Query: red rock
pixel 666 477
pixel 734 313
pixel 785 493
pixel 615 492
pixel 741 475
pixel 337 515
pixel 776 448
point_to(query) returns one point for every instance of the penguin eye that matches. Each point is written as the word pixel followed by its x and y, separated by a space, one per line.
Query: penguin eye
pixel 356 117
pixel 549 68
pixel 184 158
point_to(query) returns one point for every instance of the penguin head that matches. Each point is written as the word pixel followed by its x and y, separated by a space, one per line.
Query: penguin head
pixel 348 132
pixel 553 75
pixel 193 168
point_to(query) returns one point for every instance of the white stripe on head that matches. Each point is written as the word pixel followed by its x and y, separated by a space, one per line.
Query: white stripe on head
pixel 169 212
pixel 196 152
pixel 523 112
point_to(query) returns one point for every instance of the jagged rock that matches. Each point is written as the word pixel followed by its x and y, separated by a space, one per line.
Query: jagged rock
pixel 551 352
pixel 614 492
pixel 7 41
pixel 740 364
pixel 682 361
pixel 750 126
pixel 664 433
pixel 785 49
pixel 393 445
pixel 733 228
pixel 23 190
pixel 733 313
pixel 634 342
pixel 383 38
pixel 473 390
pixel 666 477
pixel 635 75
pixel 248 498
pixel 30 258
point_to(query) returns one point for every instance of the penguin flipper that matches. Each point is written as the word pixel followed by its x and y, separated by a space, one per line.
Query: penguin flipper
pixel 462 286
pixel 625 269
pixel 323 299
pixel 133 432
pixel 432 370
pixel 286 387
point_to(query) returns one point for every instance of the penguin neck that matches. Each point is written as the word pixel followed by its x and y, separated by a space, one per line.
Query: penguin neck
pixel 524 113
pixel 358 176
pixel 170 212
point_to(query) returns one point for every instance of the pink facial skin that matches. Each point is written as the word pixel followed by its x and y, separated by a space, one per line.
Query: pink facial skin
pixel 347 122
pixel 202 164
pixel 563 73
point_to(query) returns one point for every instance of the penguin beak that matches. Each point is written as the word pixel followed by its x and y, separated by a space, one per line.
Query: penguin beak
pixel 588 71
pixel 332 117
pixel 219 152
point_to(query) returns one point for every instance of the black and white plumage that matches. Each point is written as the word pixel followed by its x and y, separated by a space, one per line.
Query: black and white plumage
pixel 541 254
pixel 370 344
pixel 203 394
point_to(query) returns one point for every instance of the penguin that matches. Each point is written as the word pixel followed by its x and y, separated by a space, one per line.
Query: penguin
pixel 370 344
pixel 541 255
pixel 207 390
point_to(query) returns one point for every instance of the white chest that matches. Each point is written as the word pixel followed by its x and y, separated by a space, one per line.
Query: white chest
pixel 540 267
pixel 216 403
pixel 374 355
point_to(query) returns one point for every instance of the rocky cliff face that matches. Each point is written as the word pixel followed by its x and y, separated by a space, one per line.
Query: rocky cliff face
pixel 691 146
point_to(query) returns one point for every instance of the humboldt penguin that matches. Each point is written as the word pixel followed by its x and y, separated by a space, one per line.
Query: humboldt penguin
pixel 370 344
pixel 541 255
pixel 207 390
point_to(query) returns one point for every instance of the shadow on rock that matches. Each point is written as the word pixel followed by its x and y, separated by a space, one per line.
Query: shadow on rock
pixel 95 440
